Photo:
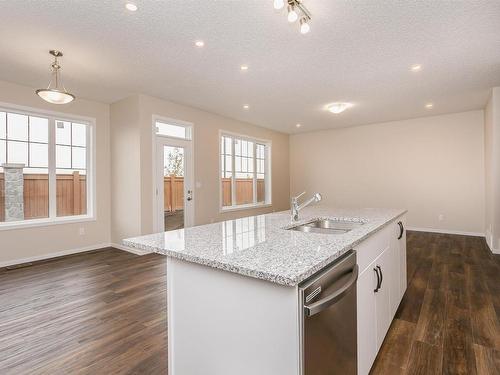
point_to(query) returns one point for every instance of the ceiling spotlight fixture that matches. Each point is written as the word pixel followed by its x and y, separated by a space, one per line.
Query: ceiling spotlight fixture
pixel 338 107
pixel 304 26
pixel 298 125
pixel 199 43
pixel 296 10
pixel 416 68
pixel 55 93
pixel 429 106
pixel 279 4
pixel 246 106
pixel 244 68
pixel 131 6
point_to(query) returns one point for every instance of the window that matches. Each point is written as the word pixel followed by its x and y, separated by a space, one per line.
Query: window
pixel 163 127
pixel 44 164
pixel 245 171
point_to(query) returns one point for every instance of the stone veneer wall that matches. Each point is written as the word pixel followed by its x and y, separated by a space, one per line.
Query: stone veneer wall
pixel 14 190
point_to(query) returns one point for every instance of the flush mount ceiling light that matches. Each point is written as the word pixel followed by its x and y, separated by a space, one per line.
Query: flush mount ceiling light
pixel 429 106
pixel 55 93
pixel 131 6
pixel 244 68
pixel 199 43
pixel 296 11
pixel 298 125
pixel 416 68
pixel 338 107
pixel 246 106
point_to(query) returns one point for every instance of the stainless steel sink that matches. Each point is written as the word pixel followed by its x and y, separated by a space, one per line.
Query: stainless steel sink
pixel 327 226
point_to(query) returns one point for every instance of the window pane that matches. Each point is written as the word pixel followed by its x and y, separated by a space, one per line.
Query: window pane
pixel 229 145
pixel 261 189
pixel 39 155
pixel 39 129
pixel 17 152
pixel 63 133
pixel 29 202
pixel 71 192
pixel 79 134
pixel 79 158
pixel 244 190
pixel 3 152
pixel 63 157
pixel 226 192
pixel 170 130
pixel 250 149
pixel 17 127
pixel 3 125
pixel 237 147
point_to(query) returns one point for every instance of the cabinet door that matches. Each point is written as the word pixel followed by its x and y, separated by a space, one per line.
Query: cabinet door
pixel 395 268
pixel 367 320
pixel 402 259
pixel 383 296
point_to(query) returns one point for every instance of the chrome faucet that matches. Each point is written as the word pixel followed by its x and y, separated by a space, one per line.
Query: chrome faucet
pixel 295 207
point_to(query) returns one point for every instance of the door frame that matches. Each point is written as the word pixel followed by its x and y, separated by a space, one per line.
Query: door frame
pixel 188 145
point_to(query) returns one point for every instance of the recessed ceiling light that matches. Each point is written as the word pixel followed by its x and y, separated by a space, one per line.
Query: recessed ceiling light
pixel 298 125
pixel 199 43
pixel 246 106
pixel 429 105
pixel 338 107
pixel 131 6
pixel 416 68
pixel 244 68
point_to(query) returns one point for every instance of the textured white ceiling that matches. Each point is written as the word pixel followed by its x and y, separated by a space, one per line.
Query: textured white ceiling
pixel 357 51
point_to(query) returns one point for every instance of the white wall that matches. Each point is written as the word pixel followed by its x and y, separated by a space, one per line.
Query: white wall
pixel 430 166
pixel 492 170
pixel 19 244
pixel 136 145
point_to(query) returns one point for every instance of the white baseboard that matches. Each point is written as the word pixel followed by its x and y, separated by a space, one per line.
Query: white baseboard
pixel 489 242
pixel 446 231
pixel 129 249
pixel 53 255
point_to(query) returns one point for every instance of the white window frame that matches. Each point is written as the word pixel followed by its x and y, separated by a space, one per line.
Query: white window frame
pixel 53 219
pixel 267 174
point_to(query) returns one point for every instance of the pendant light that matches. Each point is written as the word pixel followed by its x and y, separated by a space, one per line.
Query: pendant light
pixel 55 93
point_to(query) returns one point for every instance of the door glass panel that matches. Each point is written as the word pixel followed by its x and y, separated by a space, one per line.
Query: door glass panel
pixel 173 187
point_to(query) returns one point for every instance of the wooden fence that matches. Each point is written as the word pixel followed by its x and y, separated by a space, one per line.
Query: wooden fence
pixel 71 193
pixel 174 192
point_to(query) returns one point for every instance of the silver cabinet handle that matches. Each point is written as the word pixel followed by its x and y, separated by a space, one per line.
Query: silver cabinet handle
pixel 326 302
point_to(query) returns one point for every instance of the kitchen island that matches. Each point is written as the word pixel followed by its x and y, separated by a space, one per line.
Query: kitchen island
pixel 234 304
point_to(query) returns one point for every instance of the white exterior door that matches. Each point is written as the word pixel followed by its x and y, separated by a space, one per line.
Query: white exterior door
pixel 174 190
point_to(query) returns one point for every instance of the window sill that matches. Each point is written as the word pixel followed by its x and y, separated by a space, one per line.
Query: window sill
pixel 33 223
pixel 245 207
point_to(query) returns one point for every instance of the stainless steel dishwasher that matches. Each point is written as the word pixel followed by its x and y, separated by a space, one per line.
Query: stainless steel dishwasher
pixel 329 316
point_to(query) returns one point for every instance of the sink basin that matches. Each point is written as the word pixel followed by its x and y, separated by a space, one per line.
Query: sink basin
pixel 327 226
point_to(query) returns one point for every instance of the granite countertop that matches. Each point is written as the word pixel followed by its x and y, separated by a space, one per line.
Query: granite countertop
pixel 260 247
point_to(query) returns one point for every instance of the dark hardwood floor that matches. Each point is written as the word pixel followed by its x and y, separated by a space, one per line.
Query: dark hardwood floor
pixel 449 319
pixel 104 312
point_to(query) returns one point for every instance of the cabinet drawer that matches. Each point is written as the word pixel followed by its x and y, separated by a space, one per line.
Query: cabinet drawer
pixel 372 247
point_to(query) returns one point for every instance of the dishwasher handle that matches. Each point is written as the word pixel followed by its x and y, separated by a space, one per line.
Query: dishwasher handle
pixel 326 302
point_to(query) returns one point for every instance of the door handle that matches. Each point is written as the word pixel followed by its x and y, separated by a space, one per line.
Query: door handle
pixel 401 230
pixel 326 302
pixel 378 279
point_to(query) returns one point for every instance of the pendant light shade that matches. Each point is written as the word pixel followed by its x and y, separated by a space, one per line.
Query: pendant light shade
pixel 55 93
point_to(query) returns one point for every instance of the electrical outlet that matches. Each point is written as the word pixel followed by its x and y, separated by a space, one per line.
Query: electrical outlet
pixel 441 217
pixel 81 231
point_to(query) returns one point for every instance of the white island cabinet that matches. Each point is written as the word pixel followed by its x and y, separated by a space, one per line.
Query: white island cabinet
pixel 381 286
pixel 234 298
